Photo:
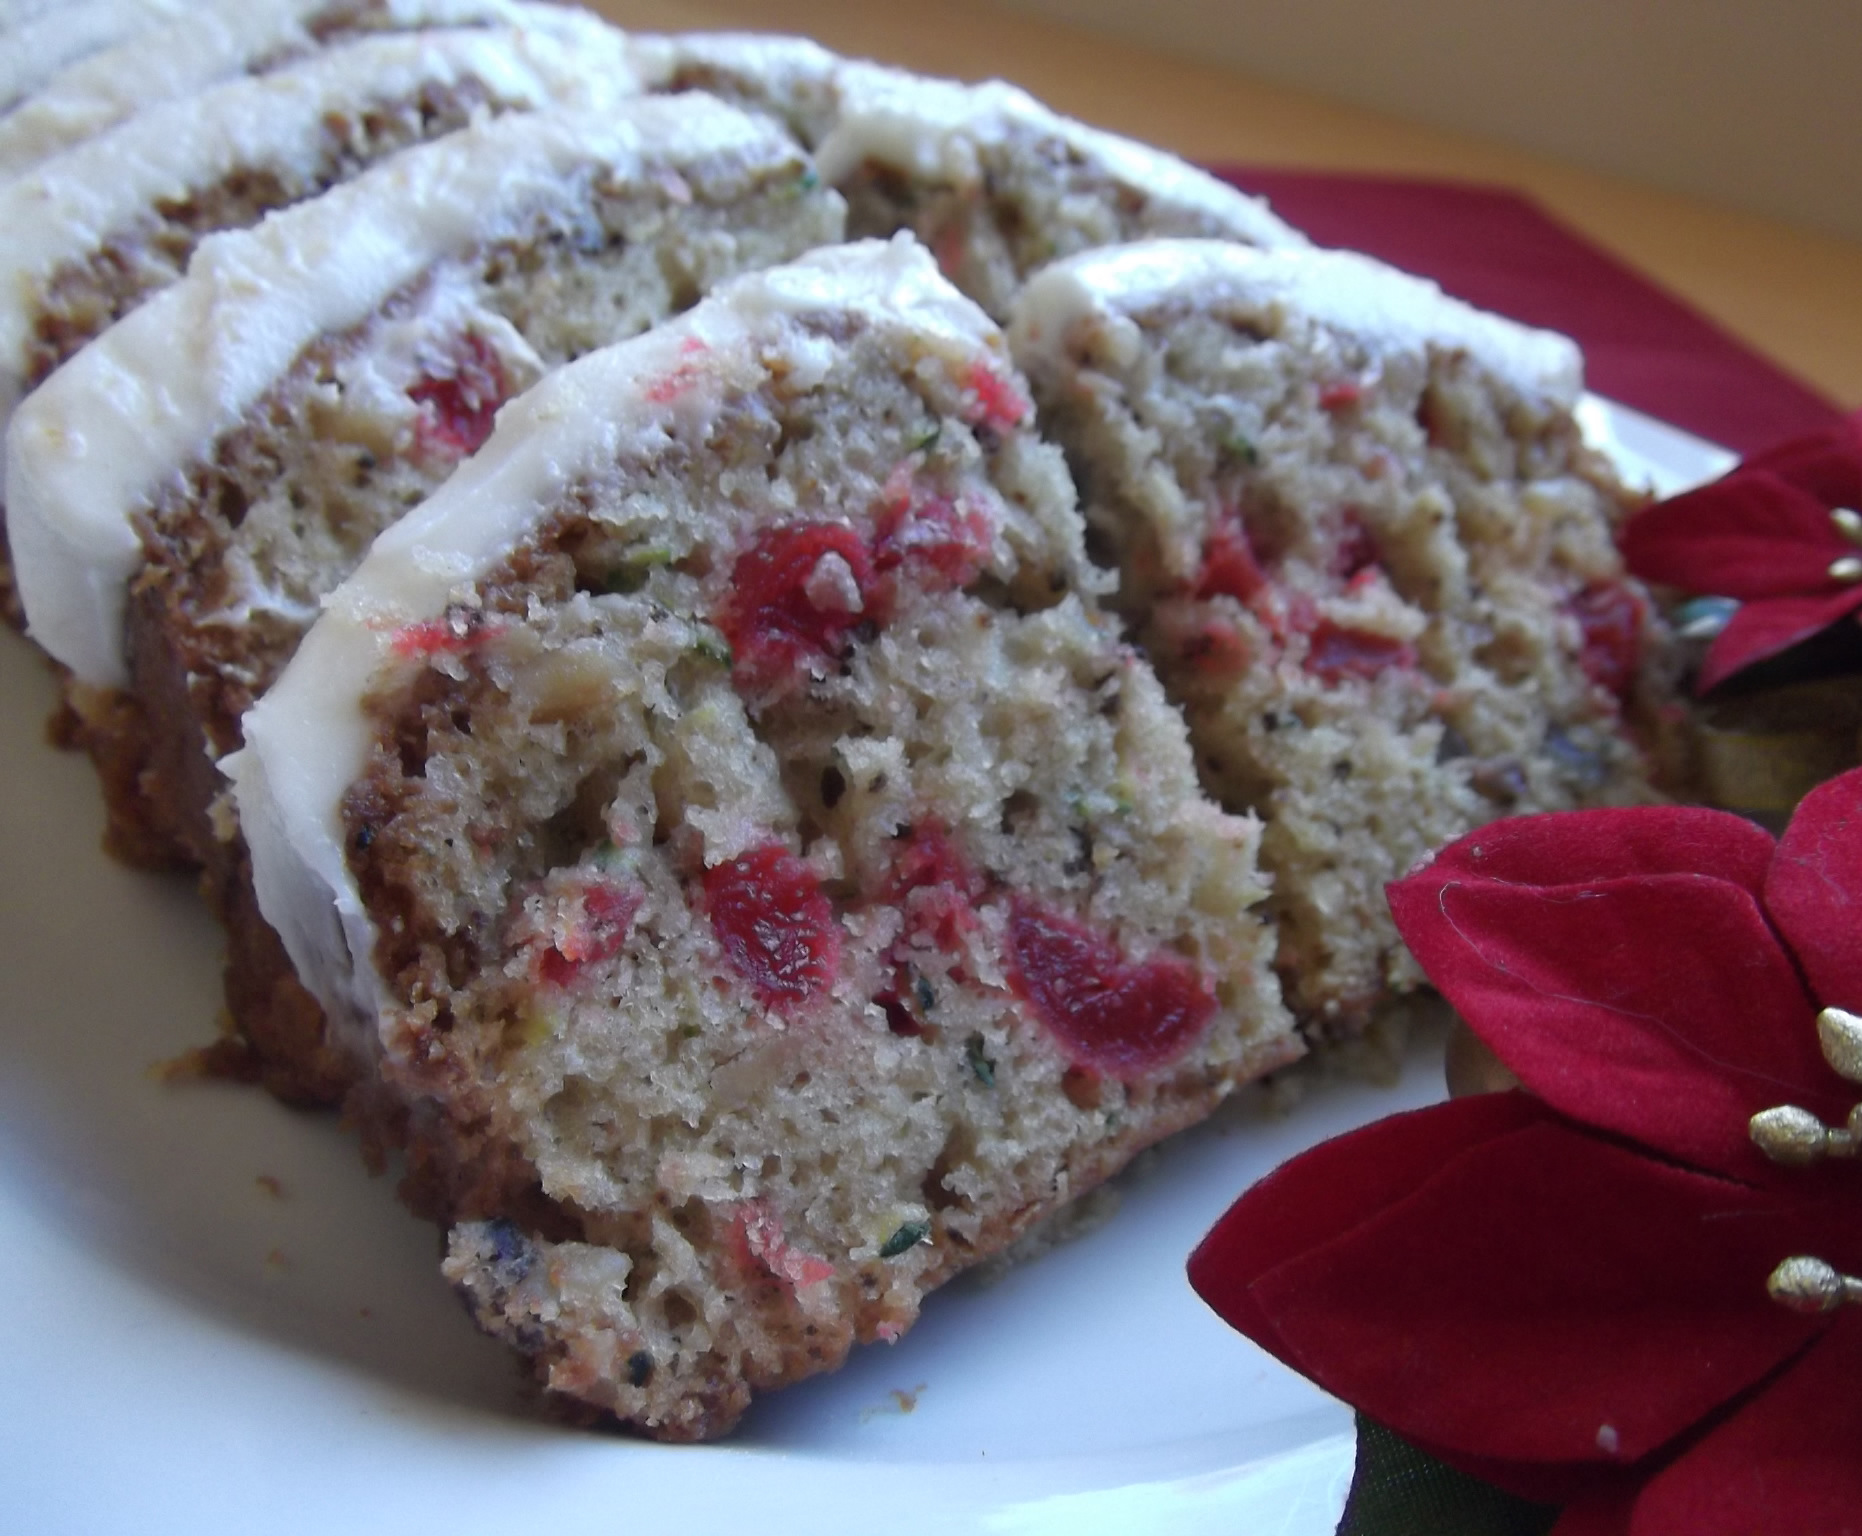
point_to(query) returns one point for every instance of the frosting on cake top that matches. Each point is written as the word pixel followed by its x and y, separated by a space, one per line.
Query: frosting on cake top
pixel 212 43
pixel 46 41
pixel 106 433
pixel 940 130
pixel 790 76
pixel 1384 309
pixel 76 203
pixel 937 129
pixel 307 739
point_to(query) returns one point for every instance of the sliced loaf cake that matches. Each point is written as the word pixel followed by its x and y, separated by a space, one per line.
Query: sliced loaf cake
pixel 753 880
pixel 93 231
pixel 1360 535
pixel 996 184
pixel 184 491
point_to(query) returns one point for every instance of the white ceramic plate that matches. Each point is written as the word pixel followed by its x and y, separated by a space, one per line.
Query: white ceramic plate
pixel 215 1321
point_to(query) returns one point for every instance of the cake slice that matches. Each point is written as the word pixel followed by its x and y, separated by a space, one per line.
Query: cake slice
pixel 996 184
pixel 183 492
pixel 1361 538
pixel 177 50
pixel 753 879
pixel 98 228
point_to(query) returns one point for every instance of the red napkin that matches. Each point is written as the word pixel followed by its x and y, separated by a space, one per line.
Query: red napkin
pixel 1499 251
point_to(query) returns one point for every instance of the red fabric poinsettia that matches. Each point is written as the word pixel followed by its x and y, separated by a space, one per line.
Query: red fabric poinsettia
pixel 1763 534
pixel 1563 1288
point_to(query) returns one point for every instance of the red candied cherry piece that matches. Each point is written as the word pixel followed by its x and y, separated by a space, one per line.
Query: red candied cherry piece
pixel 462 406
pixel 934 885
pixel 1109 1014
pixel 944 545
pixel 1609 616
pixel 607 913
pixel 683 375
pixel 1338 653
pixel 1230 568
pixel 774 921
pixel 999 404
pixel 442 636
pixel 759 1235
pixel 786 607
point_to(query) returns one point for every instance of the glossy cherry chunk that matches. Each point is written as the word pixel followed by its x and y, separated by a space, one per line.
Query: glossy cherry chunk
pixel 795 594
pixel 1609 616
pixel 1117 1017
pixel 774 921
pixel 1338 653
pixel 461 406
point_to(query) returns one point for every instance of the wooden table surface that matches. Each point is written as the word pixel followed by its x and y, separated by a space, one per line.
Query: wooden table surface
pixel 1791 293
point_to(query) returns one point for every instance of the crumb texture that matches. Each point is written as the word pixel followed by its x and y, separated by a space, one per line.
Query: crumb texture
pixel 1379 578
pixel 789 887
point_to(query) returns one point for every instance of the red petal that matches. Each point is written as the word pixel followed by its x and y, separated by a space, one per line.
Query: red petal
pixel 1330 1189
pixel 1765 628
pixel 1827 464
pixel 1660 1007
pixel 1545 1482
pixel 1750 535
pixel 1606 1515
pixel 1547 1296
pixel 1814 889
pixel 1612 844
pixel 1789 1460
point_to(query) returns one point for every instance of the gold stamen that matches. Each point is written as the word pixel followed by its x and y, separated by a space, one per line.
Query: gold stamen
pixel 1846 568
pixel 1809 1285
pixel 1840 1033
pixel 1796 1137
pixel 1848 523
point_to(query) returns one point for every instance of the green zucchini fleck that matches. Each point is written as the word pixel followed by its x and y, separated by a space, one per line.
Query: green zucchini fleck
pixel 908 1236
pixel 981 1065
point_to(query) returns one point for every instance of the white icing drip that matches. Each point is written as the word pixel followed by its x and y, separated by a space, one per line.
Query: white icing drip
pixel 215 44
pixel 937 129
pixel 102 437
pixel 308 740
pixel 1384 309
pixel 79 200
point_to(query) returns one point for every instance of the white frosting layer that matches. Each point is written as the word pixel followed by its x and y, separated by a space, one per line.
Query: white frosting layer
pixel 794 75
pixel 78 201
pixel 45 42
pixel 308 740
pixel 939 130
pixel 214 43
pixel 16 13
pixel 1386 310
pixel 105 434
